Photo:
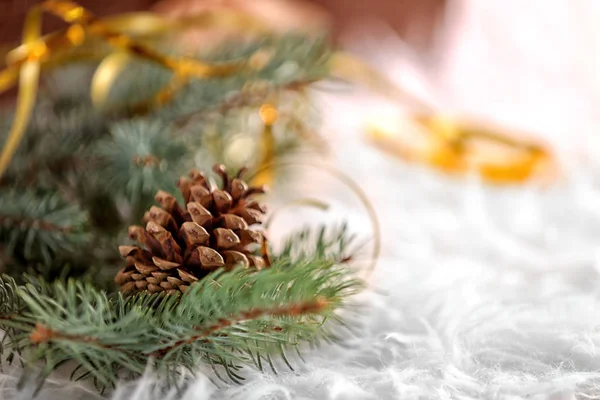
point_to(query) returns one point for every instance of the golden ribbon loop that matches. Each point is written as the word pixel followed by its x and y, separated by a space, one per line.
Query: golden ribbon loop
pixel 68 11
pixel 452 145
pixel 461 148
pixel 28 76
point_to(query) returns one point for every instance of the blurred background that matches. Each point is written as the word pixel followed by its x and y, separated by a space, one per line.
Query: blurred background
pixel 413 19
pixel 497 60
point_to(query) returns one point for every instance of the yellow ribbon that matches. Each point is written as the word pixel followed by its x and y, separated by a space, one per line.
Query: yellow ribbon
pixel 28 76
pixel 452 147
pixel 268 114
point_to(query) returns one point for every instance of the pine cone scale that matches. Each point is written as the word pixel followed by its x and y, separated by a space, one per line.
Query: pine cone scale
pixel 145 269
pixel 233 222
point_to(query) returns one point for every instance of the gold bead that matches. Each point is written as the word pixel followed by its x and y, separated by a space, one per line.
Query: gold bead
pixel 268 114
pixel 75 34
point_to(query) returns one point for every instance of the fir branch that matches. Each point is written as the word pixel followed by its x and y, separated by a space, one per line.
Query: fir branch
pixel 251 95
pixel 10 302
pixel 324 242
pixel 292 59
pixel 58 142
pixel 30 223
pixel 11 305
pixel 223 318
pixel 289 310
pixel 140 159
pixel 35 228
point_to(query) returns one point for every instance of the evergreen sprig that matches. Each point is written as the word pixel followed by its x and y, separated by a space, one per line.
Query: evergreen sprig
pixel 227 320
pixel 81 175
pixel 10 301
pixel 326 242
pixel 109 165
pixel 35 227
pixel 142 157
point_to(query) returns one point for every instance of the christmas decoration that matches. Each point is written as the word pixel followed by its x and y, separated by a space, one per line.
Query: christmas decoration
pixel 108 115
pixel 115 41
pixel 184 245
pixel 463 147
pixel 223 306
pixel 103 137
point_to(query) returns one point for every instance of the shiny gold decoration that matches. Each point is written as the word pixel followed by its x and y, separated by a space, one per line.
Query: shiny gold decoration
pixel 28 74
pixel 268 114
pixel 462 147
pixel 23 64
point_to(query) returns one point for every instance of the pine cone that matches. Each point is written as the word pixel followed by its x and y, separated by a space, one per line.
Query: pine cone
pixel 183 246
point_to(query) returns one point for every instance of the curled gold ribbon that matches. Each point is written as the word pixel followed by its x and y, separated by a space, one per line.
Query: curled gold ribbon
pixel 268 114
pixel 459 148
pixel 28 76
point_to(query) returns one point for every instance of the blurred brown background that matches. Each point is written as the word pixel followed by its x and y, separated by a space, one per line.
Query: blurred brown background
pixel 414 20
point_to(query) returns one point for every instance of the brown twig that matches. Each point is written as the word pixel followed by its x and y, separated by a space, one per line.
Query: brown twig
pixel 298 309
pixel 42 334
pixel 8 317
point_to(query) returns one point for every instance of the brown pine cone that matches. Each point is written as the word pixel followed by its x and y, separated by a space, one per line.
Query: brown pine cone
pixel 182 246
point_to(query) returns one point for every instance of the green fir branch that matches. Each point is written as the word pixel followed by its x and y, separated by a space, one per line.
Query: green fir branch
pixel 141 158
pixel 10 302
pixel 74 156
pixel 324 242
pixel 228 319
pixel 292 59
pixel 35 228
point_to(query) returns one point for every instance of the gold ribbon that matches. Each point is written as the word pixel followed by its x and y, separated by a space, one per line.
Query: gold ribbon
pixel 268 114
pixel 24 62
pixel 460 148
pixel 28 75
